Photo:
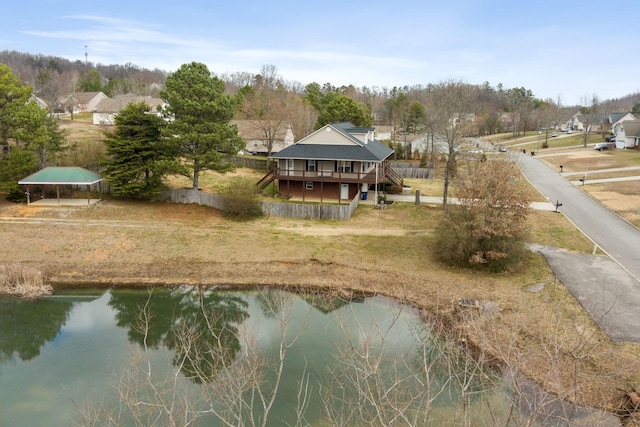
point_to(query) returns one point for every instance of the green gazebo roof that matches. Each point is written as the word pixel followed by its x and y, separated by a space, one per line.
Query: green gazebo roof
pixel 65 175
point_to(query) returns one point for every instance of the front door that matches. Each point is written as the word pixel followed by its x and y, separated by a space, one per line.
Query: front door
pixel 344 191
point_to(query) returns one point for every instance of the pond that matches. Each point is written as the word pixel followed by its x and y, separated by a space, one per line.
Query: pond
pixel 193 356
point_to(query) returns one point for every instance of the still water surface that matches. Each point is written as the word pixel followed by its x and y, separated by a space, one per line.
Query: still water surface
pixel 76 349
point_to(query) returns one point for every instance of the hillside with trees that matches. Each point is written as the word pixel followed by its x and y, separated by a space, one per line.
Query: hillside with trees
pixel 271 98
pixel 442 113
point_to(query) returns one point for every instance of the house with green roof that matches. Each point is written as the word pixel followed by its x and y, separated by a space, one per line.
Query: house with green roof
pixel 336 163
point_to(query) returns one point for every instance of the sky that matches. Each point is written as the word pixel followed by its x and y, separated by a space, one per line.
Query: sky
pixel 564 50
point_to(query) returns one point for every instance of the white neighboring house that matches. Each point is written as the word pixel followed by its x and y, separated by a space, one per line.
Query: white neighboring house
pixel 81 102
pixel 40 102
pixel 424 143
pixel 589 122
pixel 616 119
pixel 107 110
pixel 384 133
pixel 628 135
pixel 254 134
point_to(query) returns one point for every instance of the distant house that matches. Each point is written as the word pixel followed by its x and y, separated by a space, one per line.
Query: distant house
pixel 588 122
pixel 616 119
pixel 628 135
pixel 40 102
pixel 256 135
pixel 108 109
pixel 602 123
pixel 508 120
pixel 384 133
pixel 426 142
pixel 335 163
pixel 81 102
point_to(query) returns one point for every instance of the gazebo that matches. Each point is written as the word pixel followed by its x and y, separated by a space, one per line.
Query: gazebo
pixel 66 176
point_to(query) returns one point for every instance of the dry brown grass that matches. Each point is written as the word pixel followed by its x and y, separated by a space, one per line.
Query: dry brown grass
pixel 387 252
pixel 23 281
pixel 85 140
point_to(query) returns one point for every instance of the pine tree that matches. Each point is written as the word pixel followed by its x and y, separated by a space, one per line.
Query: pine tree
pixel 138 157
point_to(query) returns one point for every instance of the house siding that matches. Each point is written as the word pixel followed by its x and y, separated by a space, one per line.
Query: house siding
pixel 337 155
pixel 325 191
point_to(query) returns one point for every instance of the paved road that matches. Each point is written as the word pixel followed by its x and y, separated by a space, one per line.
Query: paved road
pixel 608 288
pixel 619 239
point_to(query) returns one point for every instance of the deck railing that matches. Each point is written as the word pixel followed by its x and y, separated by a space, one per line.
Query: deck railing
pixel 325 175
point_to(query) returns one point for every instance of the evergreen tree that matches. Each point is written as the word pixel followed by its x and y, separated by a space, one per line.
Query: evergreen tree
pixel 138 157
pixel 341 108
pixel 199 113
pixel 90 82
pixel 29 138
pixel 13 96
pixel 38 132
pixel 14 166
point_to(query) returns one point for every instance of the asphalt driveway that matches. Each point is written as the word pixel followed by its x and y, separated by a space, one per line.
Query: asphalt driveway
pixel 609 294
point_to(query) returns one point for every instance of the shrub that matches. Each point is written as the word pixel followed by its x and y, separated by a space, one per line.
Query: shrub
pixel 242 202
pixel 487 228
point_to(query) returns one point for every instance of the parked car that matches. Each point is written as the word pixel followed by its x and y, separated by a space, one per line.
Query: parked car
pixel 610 138
pixel 604 146
pixel 554 134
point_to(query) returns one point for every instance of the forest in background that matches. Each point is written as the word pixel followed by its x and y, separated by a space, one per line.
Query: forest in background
pixel 270 96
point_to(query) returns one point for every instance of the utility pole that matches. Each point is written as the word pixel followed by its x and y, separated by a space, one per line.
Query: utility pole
pixel 86 56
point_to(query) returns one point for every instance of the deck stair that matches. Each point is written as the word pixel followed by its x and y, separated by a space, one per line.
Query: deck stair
pixel 265 180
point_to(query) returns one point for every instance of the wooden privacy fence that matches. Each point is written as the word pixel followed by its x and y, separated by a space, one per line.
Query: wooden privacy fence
pixel 424 173
pixel 411 170
pixel 249 162
pixel 287 210
pixel 304 211
pixel 189 195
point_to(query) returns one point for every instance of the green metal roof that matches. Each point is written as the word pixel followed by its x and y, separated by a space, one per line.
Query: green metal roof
pixel 66 175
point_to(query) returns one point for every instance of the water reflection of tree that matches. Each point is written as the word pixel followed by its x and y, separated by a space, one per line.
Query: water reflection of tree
pixel 27 326
pixel 200 326
pixel 380 380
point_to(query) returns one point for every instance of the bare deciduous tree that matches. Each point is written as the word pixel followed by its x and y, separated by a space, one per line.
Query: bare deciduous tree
pixel 450 99
pixel 268 102
pixel 589 116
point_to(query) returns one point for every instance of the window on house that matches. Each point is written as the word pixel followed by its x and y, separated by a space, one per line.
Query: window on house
pixel 311 165
pixel 308 185
pixel 344 166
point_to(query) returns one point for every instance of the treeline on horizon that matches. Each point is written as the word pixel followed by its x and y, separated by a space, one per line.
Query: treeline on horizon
pixel 50 74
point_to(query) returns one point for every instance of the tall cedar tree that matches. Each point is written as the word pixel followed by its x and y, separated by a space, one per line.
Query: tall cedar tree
pixel 199 113
pixel 138 158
